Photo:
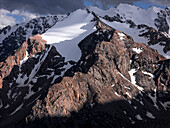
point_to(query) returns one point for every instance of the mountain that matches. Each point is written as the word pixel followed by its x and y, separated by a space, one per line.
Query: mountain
pixel 90 68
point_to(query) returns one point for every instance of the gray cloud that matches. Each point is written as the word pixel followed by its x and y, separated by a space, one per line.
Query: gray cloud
pixel 6 20
pixel 64 6
pixel 106 3
pixel 43 6
pixel 161 2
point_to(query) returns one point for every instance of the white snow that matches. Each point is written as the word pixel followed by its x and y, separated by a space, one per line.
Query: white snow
pixel 127 87
pixel 9 93
pixel 66 35
pixel 130 102
pixel 154 99
pixel 148 114
pixel 25 58
pixel 117 94
pixel 135 14
pixel 147 73
pixel 141 102
pixel 124 76
pixel 30 93
pixel 133 122
pixel 1 105
pixel 7 106
pixel 135 107
pixel 165 105
pixel 113 85
pixel 121 35
pixel 133 79
pixel 138 117
pixel 131 12
pixel 128 94
pixel 131 61
pixel 137 50
pixel 20 80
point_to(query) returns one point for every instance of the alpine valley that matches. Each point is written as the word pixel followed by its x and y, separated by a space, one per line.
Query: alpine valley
pixel 88 69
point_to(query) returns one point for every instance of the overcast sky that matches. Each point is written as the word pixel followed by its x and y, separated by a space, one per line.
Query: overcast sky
pixel 16 11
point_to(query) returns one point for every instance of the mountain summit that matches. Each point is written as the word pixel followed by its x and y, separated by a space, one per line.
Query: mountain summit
pixel 90 68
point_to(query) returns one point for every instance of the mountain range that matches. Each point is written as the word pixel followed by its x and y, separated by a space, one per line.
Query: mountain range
pixel 90 68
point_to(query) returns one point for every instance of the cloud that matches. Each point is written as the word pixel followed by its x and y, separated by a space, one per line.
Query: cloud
pixel 24 14
pixel 5 19
pixel 13 17
pixel 106 3
pixel 15 11
pixel 160 2
pixel 43 6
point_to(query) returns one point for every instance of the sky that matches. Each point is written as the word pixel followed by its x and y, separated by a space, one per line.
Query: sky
pixel 18 11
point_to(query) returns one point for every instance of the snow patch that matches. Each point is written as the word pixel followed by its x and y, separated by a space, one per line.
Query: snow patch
pixel 130 102
pixel 66 35
pixel 9 93
pixel 135 107
pixel 113 85
pixel 165 105
pixel 30 93
pixel 25 58
pixel 154 99
pixel 7 106
pixel 137 50
pixel 117 94
pixel 148 114
pixel 133 122
pixel 121 35
pixel 138 117
pixel 141 102
pixel 1 105
pixel 147 73
pixel 128 94
pixel 133 79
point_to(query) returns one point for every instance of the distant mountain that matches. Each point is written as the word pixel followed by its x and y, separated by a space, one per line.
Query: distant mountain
pixel 90 68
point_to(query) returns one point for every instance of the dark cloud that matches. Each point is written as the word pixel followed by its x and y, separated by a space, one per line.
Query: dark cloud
pixel 106 3
pixel 65 6
pixel 43 6
pixel 161 2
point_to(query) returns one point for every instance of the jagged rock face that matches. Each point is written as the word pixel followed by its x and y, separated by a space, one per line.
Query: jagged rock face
pixel 161 22
pixel 98 90
pixel 34 46
pixel 5 30
pixel 116 83
pixel 153 30
pixel 156 37
pixel 12 39
pixel 153 36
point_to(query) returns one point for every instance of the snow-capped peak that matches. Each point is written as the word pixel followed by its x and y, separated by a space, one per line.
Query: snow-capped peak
pixel 66 35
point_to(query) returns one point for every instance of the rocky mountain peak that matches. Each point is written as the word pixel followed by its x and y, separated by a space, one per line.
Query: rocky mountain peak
pixel 94 76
